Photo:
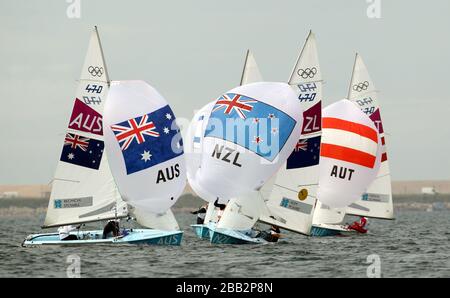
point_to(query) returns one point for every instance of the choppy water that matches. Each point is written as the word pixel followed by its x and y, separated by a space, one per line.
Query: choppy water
pixel 416 244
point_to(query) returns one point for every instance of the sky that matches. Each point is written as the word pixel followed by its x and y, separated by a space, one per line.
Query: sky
pixel 192 51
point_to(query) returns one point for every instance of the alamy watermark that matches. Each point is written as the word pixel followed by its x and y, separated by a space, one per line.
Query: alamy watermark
pixel 74 268
pixel 374 268
pixel 374 9
pixel 73 11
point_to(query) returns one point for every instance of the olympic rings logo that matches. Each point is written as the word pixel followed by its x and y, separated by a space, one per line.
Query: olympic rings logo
pixel 95 71
pixel 361 86
pixel 307 72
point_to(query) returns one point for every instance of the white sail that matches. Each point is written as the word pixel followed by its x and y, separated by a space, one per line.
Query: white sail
pixel 326 215
pixel 377 201
pixel 350 154
pixel 250 133
pixel 242 212
pixel 291 194
pixel 83 189
pixel 212 213
pixel 193 146
pixel 250 72
pixel 165 221
pixel 144 146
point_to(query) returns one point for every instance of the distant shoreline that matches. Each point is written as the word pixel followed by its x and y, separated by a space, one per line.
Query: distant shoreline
pixel 188 202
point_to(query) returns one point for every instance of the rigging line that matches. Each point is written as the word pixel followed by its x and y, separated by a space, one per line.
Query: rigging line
pixel 301 83
pixel 383 175
pixel 312 184
pixel 295 190
pixel 67 180
pixel 363 94
pixel 88 80
pixel 285 187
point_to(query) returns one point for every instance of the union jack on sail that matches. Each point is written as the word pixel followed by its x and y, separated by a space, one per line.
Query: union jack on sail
pixel 236 103
pixel 134 129
pixel 76 141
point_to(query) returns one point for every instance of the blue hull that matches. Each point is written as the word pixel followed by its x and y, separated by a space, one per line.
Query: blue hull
pixel 136 237
pixel 222 236
pixel 202 231
pixel 323 232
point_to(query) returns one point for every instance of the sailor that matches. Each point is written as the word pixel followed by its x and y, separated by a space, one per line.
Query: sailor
pixel 112 227
pixel 221 208
pixel 201 214
pixel 64 233
pixel 360 225
pixel 270 236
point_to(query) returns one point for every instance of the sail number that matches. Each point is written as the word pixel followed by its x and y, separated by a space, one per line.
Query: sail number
pixel 369 111
pixel 364 102
pixel 92 100
pixel 92 88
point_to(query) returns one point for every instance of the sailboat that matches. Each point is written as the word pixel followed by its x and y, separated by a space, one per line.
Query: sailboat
pixel 350 160
pixel 83 188
pixel 244 210
pixel 376 202
pixel 288 199
pixel 290 196
pixel 250 74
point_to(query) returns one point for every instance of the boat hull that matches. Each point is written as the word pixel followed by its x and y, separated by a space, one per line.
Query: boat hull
pixel 203 231
pixel 135 237
pixel 224 236
pixel 329 230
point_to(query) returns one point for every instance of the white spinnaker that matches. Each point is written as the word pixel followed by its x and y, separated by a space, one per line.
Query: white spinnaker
pixel 377 201
pixel 162 221
pixel 350 154
pixel 235 216
pixel 250 72
pixel 326 215
pixel 144 146
pixel 287 208
pixel 81 193
pixel 251 132
pixel 193 146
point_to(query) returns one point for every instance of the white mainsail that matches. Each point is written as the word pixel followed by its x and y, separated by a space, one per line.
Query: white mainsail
pixel 250 72
pixel 377 201
pixel 83 189
pixel 291 194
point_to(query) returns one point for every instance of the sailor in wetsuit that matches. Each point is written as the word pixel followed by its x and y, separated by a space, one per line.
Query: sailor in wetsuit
pixel 359 226
pixel 270 236
pixel 64 233
pixel 200 214
pixel 112 227
pixel 221 208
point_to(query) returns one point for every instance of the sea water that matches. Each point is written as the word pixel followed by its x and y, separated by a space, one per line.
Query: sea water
pixel 415 244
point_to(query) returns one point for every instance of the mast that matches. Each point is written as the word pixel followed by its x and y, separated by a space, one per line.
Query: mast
pixel 244 68
pixel 351 78
pixel 102 55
